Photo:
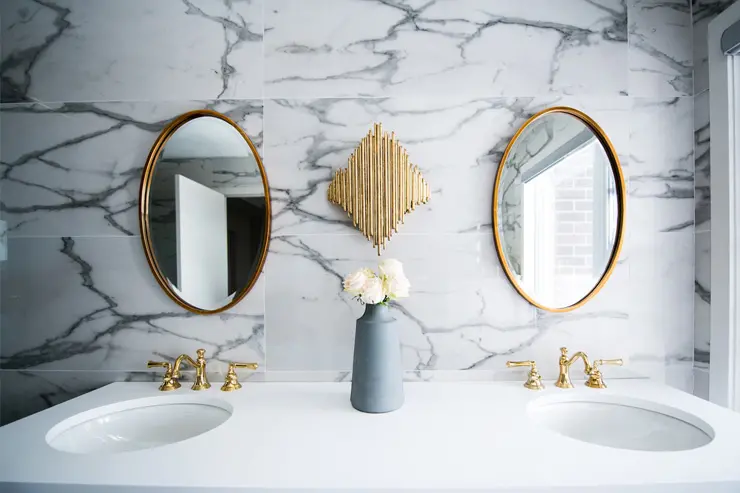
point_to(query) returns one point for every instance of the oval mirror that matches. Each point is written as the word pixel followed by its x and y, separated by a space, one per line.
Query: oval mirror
pixel 558 209
pixel 204 212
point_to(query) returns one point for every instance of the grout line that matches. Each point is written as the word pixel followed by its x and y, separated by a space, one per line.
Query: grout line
pixel 436 96
pixel 693 40
pixel 264 273
pixel 46 370
pixel 56 237
pixel 629 53
pixel 693 137
pixel 263 61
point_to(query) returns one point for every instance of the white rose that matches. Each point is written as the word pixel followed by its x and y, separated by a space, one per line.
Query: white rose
pixel 398 287
pixel 373 292
pixel 354 282
pixel 391 268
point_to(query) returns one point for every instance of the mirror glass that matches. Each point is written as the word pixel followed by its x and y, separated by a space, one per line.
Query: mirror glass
pixel 206 220
pixel 558 212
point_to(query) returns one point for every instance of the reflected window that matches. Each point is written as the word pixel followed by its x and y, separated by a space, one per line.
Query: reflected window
pixel 569 220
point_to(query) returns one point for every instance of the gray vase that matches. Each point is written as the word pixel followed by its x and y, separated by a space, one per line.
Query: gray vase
pixel 377 372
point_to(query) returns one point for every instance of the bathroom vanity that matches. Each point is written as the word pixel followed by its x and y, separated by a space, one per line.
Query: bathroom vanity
pixel 636 435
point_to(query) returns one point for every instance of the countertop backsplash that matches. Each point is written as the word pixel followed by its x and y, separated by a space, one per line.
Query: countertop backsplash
pixel 87 86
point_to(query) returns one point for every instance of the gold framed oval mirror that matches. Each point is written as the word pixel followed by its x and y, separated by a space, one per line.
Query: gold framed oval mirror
pixel 204 212
pixel 559 209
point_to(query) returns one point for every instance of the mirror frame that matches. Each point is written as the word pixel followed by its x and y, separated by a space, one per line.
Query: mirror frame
pixel 146 181
pixel 621 201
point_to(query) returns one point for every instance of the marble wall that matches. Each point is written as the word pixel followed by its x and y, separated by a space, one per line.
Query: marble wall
pixel 703 12
pixel 88 84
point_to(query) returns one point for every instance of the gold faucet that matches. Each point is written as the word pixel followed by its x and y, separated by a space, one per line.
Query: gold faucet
pixel 594 381
pixel 534 380
pixel 594 375
pixel 232 381
pixel 564 363
pixel 169 382
pixel 201 380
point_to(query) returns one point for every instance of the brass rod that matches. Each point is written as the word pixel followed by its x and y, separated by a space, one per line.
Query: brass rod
pixel 371 193
pixel 389 189
pixel 394 185
pixel 379 189
pixel 379 186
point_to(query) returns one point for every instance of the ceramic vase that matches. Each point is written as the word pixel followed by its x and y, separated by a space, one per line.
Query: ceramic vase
pixel 377 372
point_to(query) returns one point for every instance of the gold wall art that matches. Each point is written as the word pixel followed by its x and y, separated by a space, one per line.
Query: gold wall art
pixel 379 186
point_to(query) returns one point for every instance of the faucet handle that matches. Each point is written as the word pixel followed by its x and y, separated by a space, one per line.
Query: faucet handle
pixel 232 381
pixel 615 362
pixel 534 380
pixel 595 380
pixel 168 382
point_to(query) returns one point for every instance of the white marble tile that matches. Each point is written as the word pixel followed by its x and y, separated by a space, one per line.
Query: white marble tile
pixel 27 392
pixel 103 50
pixel 457 143
pixel 331 48
pixel 660 48
pixel 602 328
pixel 93 304
pixel 661 185
pixel 703 11
pixel 680 375
pixel 702 298
pixel 702 171
pixel 661 298
pixel 74 169
pixel 453 78
pixel 701 383
pixel 461 312
pixel 498 374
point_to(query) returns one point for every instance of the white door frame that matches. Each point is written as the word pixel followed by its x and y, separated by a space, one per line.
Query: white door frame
pixel 724 105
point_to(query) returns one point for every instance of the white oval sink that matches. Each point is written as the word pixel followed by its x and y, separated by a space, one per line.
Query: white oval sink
pixel 621 422
pixel 137 425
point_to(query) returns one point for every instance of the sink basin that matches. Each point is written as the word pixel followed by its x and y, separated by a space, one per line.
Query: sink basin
pixel 137 425
pixel 621 422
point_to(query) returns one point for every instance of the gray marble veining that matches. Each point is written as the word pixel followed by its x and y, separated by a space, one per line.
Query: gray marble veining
pixel 87 86
pixel 102 312
pixel 702 191
pixel 379 48
pixel 103 50
pixel 453 321
pixel 661 271
pixel 661 184
pixel 26 392
pixel 75 168
pixel 702 299
pixel 703 11
pixel 661 61
pixel 457 142
pixel 702 262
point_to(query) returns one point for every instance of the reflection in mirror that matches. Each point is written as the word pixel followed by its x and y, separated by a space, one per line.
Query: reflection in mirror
pixel 207 213
pixel 558 210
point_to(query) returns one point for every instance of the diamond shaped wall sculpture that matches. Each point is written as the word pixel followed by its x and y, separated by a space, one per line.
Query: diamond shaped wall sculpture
pixel 378 187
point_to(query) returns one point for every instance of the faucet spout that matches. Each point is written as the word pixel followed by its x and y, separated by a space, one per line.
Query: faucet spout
pixel 564 364
pixel 583 356
pixel 201 380
pixel 178 364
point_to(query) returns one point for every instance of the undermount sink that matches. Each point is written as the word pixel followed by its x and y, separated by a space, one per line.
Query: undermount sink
pixel 137 425
pixel 622 422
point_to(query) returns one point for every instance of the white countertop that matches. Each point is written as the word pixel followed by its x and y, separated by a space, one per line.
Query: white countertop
pixel 289 437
